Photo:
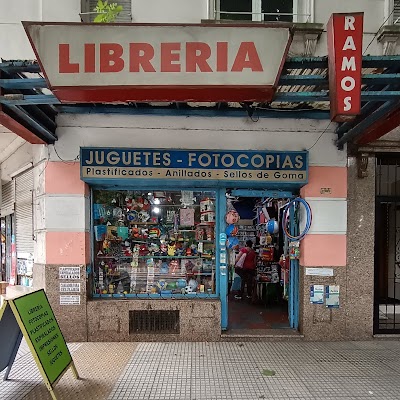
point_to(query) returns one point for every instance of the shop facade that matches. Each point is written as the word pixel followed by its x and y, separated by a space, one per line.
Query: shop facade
pixel 161 254
pixel 130 228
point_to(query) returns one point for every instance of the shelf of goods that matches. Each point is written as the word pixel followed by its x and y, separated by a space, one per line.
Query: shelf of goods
pixel 143 247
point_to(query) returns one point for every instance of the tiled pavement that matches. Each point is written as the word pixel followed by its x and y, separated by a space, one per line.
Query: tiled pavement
pixel 222 370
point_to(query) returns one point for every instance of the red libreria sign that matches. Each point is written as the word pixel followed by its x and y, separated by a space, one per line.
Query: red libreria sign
pixel 113 63
pixel 345 32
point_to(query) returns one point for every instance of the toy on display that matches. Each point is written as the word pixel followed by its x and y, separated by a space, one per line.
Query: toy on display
pixel 231 217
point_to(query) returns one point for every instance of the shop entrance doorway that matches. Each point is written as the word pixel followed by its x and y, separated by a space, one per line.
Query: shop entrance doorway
pixel 262 298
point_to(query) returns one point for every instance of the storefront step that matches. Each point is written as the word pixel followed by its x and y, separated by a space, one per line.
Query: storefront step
pixel 383 336
pixel 264 335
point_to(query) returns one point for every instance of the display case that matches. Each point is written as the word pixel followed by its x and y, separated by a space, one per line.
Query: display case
pixel 153 243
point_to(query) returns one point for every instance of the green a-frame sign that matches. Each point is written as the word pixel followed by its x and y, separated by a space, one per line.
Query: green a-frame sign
pixel 31 316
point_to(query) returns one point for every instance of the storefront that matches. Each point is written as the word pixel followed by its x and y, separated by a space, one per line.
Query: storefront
pixel 162 228
pixel 137 240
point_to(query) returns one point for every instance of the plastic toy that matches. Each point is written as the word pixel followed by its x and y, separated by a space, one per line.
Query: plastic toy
pixel 231 230
pixel 232 242
pixel 272 226
pixel 232 217
pixel 164 269
pixel 171 249
pixel 181 283
pixel 188 289
pixel 193 284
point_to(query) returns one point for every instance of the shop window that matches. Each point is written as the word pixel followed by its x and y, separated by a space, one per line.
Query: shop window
pixel 255 10
pixel 153 243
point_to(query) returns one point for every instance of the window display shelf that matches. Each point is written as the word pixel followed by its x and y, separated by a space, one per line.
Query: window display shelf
pixel 131 244
pixel 143 223
pixel 113 257
pixel 168 257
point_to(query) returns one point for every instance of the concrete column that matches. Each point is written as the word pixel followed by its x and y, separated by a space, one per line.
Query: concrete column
pixel 62 212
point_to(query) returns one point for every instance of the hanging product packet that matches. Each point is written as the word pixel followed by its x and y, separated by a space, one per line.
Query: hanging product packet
pixel 240 262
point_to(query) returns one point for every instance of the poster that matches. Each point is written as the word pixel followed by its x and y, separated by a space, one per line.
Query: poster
pixel 317 294
pixel 186 216
pixel 332 296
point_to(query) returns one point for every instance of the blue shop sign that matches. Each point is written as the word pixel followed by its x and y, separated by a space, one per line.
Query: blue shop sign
pixel 105 164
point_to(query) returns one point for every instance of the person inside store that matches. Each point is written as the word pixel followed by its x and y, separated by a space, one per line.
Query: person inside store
pixel 247 271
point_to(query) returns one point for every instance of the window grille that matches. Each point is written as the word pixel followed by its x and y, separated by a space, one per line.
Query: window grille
pixel 387 245
pixel 154 321
pixel 255 10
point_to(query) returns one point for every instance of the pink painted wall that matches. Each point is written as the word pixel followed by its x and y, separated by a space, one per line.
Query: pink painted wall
pixel 67 248
pixel 63 178
pixel 334 178
pixel 323 251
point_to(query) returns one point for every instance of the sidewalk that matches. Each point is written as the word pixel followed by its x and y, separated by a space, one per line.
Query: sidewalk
pixel 223 370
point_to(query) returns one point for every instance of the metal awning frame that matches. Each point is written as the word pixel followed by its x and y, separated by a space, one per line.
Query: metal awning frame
pixel 302 93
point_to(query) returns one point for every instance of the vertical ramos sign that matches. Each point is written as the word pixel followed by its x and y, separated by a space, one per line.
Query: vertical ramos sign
pixel 345 33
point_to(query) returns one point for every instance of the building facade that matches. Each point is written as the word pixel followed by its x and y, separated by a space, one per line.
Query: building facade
pixel 111 252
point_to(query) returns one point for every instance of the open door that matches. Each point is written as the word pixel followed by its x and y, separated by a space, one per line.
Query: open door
pixel 272 303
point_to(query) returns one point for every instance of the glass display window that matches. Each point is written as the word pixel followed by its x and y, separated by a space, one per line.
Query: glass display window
pixel 153 243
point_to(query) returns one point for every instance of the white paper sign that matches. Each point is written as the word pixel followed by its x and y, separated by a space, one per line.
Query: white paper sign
pixel 70 273
pixel 319 271
pixel 70 287
pixel 70 300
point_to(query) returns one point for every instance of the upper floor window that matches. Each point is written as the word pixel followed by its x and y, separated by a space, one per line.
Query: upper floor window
pixel 255 10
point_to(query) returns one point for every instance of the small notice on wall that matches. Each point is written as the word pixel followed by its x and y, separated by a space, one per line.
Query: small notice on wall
pixel 70 287
pixel 70 300
pixel 319 271
pixel 317 294
pixel 70 273
pixel 332 296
